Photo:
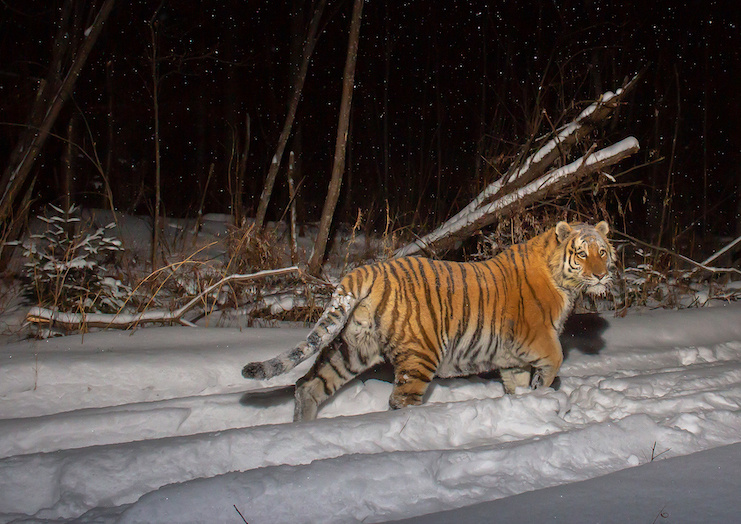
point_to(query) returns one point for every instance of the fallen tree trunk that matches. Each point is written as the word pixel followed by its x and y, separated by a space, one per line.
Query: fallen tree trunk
pixel 519 175
pixel 590 163
pixel 75 321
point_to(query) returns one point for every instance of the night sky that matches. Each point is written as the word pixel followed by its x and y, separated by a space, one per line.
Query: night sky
pixel 438 86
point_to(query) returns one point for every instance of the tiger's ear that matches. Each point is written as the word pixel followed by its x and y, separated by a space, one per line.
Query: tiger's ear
pixel 602 228
pixel 563 230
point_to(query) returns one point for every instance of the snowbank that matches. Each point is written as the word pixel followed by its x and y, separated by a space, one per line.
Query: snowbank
pixel 159 426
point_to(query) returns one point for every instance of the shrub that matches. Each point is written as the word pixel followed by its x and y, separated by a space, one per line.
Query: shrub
pixel 68 265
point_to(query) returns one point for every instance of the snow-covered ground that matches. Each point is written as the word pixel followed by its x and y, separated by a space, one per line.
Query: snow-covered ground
pixel 158 425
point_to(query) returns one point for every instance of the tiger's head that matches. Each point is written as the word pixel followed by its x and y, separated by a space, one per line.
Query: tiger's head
pixel 585 258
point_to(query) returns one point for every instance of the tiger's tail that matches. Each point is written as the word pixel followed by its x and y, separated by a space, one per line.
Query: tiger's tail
pixel 329 325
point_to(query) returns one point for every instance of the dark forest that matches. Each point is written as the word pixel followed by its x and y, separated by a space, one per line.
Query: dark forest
pixel 446 94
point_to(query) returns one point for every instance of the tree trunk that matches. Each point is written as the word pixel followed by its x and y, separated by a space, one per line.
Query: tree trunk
pixel 298 86
pixel 237 204
pixel 292 208
pixel 29 146
pixel 68 173
pixel 157 156
pixel 317 257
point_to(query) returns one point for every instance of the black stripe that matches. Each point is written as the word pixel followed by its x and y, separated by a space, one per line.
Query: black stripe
pixel 439 312
pixel 492 303
pixel 396 283
pixel 339 372
pixel 446 305
pixel 432 345
pixel 419 266
pixel 417 374
pixel 463 326
pixel 536 299
pixel 423 358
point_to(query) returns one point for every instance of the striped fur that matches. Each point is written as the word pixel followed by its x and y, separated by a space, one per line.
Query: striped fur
pixel 434 318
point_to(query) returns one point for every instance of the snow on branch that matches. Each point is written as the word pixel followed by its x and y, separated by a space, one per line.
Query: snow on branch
pixel 73 321
pixel 537 189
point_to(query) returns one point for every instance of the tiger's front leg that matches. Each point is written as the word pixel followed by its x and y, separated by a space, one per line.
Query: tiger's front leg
pixel 546 358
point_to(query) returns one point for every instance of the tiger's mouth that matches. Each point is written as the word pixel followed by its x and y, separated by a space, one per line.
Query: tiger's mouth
pixel 599 288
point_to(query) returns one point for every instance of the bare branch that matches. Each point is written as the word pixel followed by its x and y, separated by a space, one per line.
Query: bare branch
pixel 728 247
pixel 698 265
pixel 16 173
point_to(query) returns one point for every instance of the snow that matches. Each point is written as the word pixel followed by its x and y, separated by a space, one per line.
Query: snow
pixel 157 425
pixel 661 491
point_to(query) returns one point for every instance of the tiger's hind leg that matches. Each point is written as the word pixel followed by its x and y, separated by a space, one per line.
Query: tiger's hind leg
pixel 413 372
pixel 335 366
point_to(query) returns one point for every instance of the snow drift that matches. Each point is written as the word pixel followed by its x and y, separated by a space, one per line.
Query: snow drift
pixel 159 426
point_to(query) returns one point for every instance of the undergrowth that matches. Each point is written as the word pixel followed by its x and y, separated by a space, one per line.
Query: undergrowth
pixel 74 266
pixel 71 265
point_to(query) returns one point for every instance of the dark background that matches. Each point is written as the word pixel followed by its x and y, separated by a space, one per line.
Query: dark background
pixel 439 86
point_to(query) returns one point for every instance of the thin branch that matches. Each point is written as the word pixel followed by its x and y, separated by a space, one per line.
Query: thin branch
pixel 311 39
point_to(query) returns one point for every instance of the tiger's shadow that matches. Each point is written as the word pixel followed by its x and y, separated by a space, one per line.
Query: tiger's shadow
pixel 275 396
pixel 582 332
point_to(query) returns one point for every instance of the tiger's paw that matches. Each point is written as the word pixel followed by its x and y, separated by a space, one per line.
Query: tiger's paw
pixel 537 382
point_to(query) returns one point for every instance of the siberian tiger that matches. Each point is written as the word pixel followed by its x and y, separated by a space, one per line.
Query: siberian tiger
pixel 434 318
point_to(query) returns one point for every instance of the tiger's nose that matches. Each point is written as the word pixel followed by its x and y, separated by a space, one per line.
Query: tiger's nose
pixel 600 274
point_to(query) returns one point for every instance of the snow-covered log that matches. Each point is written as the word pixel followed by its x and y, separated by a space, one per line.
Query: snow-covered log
pixel 531 168
pixel 592 162
pixel 74 321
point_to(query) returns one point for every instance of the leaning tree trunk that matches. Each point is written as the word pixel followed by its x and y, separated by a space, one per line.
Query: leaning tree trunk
pixel 30 144
pixel 298 86
pixel 526 182
pixel 338 167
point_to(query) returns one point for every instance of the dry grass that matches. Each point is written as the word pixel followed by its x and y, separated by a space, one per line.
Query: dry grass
pixel 250 250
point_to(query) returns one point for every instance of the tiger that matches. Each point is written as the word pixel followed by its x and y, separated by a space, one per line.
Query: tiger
pixel 432 318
